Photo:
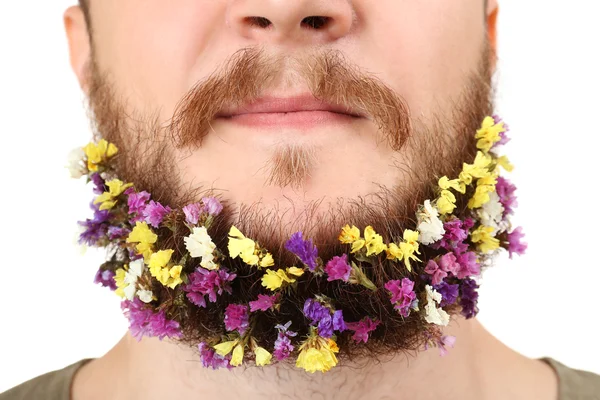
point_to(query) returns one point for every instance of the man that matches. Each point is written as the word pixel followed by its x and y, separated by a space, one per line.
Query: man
pixel 301 181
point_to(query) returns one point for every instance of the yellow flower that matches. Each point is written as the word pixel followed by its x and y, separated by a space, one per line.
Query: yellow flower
pixel 98 153
pixel 273 280
pixel 317 354
pixel 349 234
pixel 263 357
pixel 446 203
pixel 295 271
pixel 505 163
pixel 120 281
pixel 479 169
pixel 238 355
pixel 144 237
pixel 159 260
pixel 456 184
pixel 483 236
pixel 240 245
pixel 267 261
pixel 357 245
pixel 489 134
pixel 108 199
pixel 394 252
pixel 174 277
pixel 158 266
pixel 373 242
pixel 485 186
pixel 225 348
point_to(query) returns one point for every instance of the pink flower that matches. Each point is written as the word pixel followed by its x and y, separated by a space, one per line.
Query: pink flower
pixel 155 212
pixel 338 268
pixel 515 242
pixel 236 318
pixel 264 302
pixel 448 264
pixel 362 328
pixel 212 205
pixel 192 213
pixel 402 295
pixel 437 274
pixel 468 265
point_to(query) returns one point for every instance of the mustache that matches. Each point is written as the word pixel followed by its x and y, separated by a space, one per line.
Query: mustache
pixel 329 76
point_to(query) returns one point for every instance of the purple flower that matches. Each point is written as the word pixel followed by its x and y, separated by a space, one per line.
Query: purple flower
pixel 155 212
pixel 362 328
pixel 468 265
pixel 444 341
pixel 469 297
pixel 264 302
pixel 456 231
pixel 143 321
pixel 210 359
pixel 322 317
pixel 516 245
pixel 506 194
pixel 283 345
pixel 402 295
pixel 437 274
pixel 338 268
pixel 95 228
pixel 448 263
pixel 338 321
pixel 305 250
pixel 503 137
pixel 203 282
pixel 136 202
pixel 315 311
pixel 116 232
pixel 212 205
pixel 236 318
pixel 192 213
pixel 106 278
pixel 99 183
pixel 449 293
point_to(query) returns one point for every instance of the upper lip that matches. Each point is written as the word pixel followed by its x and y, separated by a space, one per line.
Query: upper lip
pixel 272 104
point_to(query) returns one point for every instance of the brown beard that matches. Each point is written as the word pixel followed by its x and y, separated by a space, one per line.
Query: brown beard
pixel 437 145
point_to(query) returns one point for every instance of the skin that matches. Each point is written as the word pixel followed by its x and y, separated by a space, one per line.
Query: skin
pixel 155 51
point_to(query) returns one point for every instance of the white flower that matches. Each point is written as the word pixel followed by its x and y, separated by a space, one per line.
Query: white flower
pixel 200 244
pixel 136 268
pixel 430 227
pixel 76 167
pixel 491 214
pixel 145 295
pixel 433 314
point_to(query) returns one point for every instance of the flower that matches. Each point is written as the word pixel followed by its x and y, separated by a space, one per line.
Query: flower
pixel 283 345
pixel 108 200
pixel 241 246
pixel 224 348
pixel 506 194
pixel 106 278
pixel 441 341
pixel 200 244
pixel 516 245
pixel 144 237
pixel 485 186
pixel 274 280
pixel 349 234
pixel 456 232
pixel 135 270
pixel 373 242
pixel 483 236
pixel 449 293
pixel 489 134
pixel 99 183
pixel 212 205
pixel 321 315
pixel 491 213
pixel 338 268
pixel 469 297
pixel 96 154
pixel 263 357
pixel 264 302
pixel 155 212
pixel 237 357
pixel 406 249
pixel 158 265
pixel 317 354
pixel 437 274
pixel 305 250
pixel 145 295
pixel 445 184
pixel 362 328
pixel 117 232
pixel 192 213
pixel 143 321
pixel 429 225
pixel 210 359
pixel 120 282
pixel 402 295
pixel 208 283
pixel 76 167
pixel 136 203
pixel 479 169
pixel 469 266
pixel 95 229
pixel 434 314
pixel 446 203
pixel 236 318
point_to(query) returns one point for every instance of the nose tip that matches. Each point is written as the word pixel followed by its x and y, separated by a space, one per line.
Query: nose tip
pixel 299 21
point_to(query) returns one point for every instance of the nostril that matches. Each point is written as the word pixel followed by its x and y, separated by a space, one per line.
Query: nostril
pixel 315 22
pixel 259 22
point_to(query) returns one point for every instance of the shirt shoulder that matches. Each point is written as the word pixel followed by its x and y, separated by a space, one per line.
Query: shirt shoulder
pixel 575 384
pixel 54 385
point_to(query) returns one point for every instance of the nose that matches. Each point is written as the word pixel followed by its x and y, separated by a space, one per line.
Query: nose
pixel 291 21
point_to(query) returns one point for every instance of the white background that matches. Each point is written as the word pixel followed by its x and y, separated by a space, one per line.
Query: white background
pixel 543 304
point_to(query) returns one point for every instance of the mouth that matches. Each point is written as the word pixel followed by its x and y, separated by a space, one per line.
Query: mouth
pixel 301 112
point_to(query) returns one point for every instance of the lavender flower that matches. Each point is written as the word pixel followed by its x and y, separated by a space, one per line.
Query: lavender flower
pixel 236 318
pixel 362 329
pixel 192 213
pixel 99 183
pixel 321 316
pixel 449 293
pixel 95 228
pixel 503 137
pixel 516 245
pixel 402 295
pixel 305 250
pixel 338 268
pixel 469 297
pixel 468 265
pixel 212 205
pixel 437 274
pixel 116 232
pixel 315 311
pixel 264 302
pixel 456 231
pixel 283 345
pixel 210 359
pixel 143 321
pixel 136 202
pixel 154 213
pixel 203 283
pixel 106 278
pixel 506 193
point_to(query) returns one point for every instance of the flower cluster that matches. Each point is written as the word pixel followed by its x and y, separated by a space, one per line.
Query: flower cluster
pixel 161 280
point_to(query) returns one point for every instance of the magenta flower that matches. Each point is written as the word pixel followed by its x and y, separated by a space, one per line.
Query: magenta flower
pixel 143 321
pixel 137 203
pixel 437 274
pixel 362 329
pixel 468 265
pixel 506 194
pixel 283 345
pixel 116 232
pixel 305 250
pixel 321 316
pixel 192 213
pixel 469 297
pixel 203 283
pixel 338 268
pixel 516 245
pixel 212 205
pixel 402 295
pixel 264 302
pixel 456 231
pixel 448 263
pixel 106 278
pixel 155 212
pixel 236 318
pixel 210 359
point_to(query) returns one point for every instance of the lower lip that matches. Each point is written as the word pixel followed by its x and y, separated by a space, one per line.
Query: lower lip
pixel 298 119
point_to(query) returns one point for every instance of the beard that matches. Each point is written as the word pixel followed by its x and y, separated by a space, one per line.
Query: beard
pixel 433 145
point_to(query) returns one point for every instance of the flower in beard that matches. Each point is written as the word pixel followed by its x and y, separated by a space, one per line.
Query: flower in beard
pixel 96 228
pixel 322 316
pixel 155 212
pixel 236 318
pixel 283 344
pixel 99 183
pixel 106 278
pixel 143 321
pixel 469 266
pixel 116 232
pixel 212 206
pixel 264 302
pixel 449 293
pixel 469 297
pixel 136 202
pixel 305 250
pixel 506 194
pixel 434 313
pixel 456 232
pixel 338 268
pixel 516 245
pixel 192 213
pixel 430 227
pixel 208 283
pixel 362 328
pixel 403 297
pixel 210 359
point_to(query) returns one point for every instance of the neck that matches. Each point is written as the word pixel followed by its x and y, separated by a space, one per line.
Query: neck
pixel 152 369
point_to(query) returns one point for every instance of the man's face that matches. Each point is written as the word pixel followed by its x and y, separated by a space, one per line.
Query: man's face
pixel 427 62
